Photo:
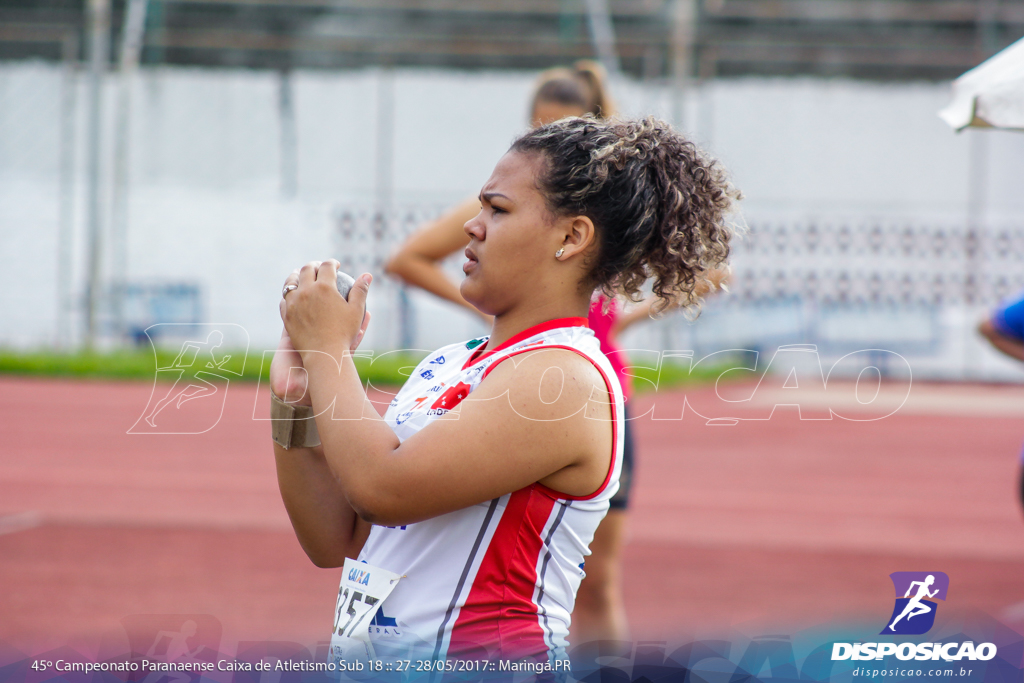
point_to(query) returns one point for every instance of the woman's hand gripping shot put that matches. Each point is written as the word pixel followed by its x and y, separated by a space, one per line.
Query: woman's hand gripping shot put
pixel 482 486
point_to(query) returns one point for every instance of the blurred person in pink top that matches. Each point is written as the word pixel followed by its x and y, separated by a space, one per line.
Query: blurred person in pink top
pixel 604 593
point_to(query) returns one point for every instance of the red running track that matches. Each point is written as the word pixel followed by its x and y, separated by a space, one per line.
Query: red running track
pixel 773 524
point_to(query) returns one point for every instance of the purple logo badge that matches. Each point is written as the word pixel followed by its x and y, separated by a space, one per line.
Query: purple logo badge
pixel 915 608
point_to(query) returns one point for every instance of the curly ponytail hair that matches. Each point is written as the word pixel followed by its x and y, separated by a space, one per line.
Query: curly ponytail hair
pixel 658 203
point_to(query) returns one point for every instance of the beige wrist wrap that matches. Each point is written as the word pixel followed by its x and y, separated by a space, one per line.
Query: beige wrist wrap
pixel 292 425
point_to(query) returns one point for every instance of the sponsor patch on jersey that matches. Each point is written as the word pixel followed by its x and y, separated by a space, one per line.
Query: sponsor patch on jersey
pixel 383 625
pixel 359 576
pixel 451 398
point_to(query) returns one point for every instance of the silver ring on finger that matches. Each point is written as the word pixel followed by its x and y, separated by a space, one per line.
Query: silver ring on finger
pixel 288 288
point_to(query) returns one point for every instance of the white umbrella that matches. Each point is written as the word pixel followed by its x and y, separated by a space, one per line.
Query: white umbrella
pixel 991 95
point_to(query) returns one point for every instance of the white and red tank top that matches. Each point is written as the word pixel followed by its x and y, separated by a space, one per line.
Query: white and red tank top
pixel 497 579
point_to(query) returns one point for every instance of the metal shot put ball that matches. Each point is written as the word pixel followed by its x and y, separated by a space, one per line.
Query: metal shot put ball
pixel 345 282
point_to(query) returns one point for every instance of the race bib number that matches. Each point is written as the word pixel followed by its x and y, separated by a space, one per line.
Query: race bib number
pixel 363 589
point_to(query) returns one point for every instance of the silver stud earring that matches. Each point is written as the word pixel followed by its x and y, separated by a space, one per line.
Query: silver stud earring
pixel 558 254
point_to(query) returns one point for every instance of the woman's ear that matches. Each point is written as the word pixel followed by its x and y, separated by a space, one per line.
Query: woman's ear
pixel 579 235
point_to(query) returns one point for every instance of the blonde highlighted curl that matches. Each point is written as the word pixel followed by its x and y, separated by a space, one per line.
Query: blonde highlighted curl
pixel 659 204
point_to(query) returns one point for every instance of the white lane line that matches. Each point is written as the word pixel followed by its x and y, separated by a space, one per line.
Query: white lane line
pixel 1014 612
pixel 19 522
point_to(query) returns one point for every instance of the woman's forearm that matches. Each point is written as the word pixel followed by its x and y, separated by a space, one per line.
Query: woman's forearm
pixel 355 440
pixel 624 321
pixel 327 527
pixel 715 280
pixel 426 274
pixel 418 260
pixel 1011 347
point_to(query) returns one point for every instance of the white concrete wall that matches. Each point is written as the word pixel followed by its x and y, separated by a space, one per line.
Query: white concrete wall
pixel 207 205
pixel 806 147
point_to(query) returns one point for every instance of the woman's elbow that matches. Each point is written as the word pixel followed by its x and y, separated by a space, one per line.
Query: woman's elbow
pixel 396 264
pixel 375 508
pixel 325 558
pixel 326 563
pixel 368 510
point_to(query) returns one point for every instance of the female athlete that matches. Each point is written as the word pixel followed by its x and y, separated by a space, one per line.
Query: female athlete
pixel 486 512
pixel 600 610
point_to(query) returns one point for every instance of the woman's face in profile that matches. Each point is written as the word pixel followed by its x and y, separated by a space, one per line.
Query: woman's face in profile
pixel 512 243
pixel 548 112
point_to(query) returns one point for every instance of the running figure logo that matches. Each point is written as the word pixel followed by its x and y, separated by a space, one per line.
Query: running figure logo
pixel 188 394
pixel 914 612
pixel 171 638
pixel 195 385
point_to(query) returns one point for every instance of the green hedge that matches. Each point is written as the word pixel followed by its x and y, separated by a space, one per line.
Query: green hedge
pixel 387 369
pixel 131 364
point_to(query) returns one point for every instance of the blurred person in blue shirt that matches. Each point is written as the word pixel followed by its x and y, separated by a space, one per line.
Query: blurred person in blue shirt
pixel 1004 329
